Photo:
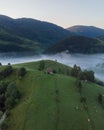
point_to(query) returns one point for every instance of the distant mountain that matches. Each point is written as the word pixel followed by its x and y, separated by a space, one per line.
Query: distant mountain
pixel 28 34
pixel 78 44
pixel 89 31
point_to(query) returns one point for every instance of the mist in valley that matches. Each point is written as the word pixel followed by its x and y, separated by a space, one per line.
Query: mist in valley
pixel 93 62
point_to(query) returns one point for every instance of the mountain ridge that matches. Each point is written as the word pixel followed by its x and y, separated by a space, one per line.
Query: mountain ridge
pixel 36 31
pixel 89 31
pixel 28 34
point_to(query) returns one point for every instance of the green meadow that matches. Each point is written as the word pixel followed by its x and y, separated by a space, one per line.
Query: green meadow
pixel 52 101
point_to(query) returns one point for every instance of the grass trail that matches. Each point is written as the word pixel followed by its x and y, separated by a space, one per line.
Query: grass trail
pixel 57 100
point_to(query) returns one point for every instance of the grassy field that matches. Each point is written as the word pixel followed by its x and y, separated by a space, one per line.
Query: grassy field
pixel 52 102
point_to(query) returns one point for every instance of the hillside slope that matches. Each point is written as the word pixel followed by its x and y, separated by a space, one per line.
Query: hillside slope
pixel 101 37
pixel 78 44
pixel 27 31
pixel 14 43
pixel 52 102
pixel 88 31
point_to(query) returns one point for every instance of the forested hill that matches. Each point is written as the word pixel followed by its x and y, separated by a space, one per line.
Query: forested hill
pixel 78 44
pixel 19 34
pixel 88 31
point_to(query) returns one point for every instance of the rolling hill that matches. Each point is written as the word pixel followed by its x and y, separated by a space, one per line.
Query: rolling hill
pixel 88 31
pixel 54 103
pixel 25 34
pixel 78 44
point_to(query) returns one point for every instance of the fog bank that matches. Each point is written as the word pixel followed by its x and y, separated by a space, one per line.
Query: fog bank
pixel 91 62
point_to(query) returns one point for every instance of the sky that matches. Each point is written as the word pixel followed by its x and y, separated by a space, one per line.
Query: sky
pixel 64 13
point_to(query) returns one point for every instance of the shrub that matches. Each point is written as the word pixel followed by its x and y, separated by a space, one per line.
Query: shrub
pixel 21 72
pixel 83 99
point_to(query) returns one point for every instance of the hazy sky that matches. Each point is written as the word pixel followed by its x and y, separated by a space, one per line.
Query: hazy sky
pixel 65 13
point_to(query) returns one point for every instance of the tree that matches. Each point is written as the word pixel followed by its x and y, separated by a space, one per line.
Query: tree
pixel 12 91
pixel 75 70
pixel 0 64
pixel 41 65
pixel 6 71
pixel 100 98
pixel 86 75
pixel 12 96
pixel 79 85
pixel 10 102
pixel 9 64
pixel 3 87
pixel 90 76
